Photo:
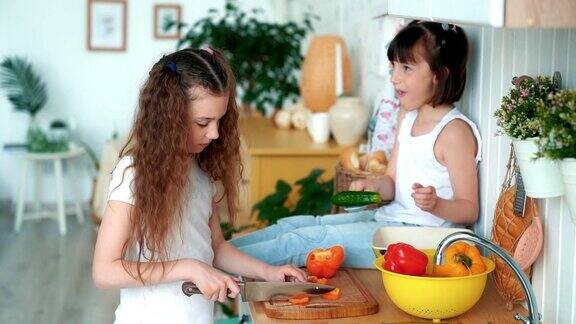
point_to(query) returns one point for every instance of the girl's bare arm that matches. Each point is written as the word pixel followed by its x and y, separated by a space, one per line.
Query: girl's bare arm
pixel 456 149
pixel 108 271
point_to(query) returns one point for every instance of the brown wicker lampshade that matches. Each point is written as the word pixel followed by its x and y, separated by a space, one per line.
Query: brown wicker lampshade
pixel 318 80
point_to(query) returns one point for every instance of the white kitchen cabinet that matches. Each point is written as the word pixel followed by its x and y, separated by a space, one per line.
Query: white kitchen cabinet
pixel 497 13
pixel 412 9
pixel 482 12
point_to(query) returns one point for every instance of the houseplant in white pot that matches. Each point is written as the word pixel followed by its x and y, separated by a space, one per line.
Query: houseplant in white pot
pixel 518 118
pixel 558 139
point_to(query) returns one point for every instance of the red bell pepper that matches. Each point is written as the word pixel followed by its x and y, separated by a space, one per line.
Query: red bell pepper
pixel 405 259
pixel 324 263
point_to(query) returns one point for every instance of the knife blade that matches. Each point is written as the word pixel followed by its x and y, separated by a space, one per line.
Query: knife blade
pixel 263 290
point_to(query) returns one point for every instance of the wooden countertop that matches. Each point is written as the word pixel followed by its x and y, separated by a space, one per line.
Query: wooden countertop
pixel 263 138
pixel 490 308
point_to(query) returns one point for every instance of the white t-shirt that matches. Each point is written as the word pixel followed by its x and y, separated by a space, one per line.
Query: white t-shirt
pixel 416 162
pixel 165 303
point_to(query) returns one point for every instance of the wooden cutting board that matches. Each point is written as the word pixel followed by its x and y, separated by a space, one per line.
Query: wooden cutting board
pixel 356 300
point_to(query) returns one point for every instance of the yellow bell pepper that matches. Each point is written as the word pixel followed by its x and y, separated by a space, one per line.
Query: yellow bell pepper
pixel 462 259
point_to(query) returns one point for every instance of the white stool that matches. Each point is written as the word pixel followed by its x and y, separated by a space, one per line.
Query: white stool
pixel 35 161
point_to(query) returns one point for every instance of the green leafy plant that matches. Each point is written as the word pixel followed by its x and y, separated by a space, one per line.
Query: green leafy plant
pixel 265 56
pixel 228 230
pixel 24 88
pixel 558 125
pixel 57 123
pixel 272 208
pixel 40 142
pixel 314 199
pixel 315 195
pixel 517 116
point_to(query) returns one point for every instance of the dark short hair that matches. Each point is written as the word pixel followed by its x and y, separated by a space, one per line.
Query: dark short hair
pixel 444 47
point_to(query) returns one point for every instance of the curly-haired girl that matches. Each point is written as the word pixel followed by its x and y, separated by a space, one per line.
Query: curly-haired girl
pixel 161 226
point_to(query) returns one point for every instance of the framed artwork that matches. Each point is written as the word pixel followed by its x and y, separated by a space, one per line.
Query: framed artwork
pixel 106 25
pixel 162 14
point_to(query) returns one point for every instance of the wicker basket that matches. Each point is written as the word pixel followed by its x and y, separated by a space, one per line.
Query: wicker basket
pixel 344 177
pixel 507 229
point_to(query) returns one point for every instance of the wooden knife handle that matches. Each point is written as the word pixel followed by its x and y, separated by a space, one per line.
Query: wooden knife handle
pixel 189 288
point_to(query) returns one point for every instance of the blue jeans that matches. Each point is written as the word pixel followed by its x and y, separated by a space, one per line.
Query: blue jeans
pixel 292 238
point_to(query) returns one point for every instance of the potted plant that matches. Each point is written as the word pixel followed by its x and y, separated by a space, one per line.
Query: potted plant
pixel 314 199
pixel 27 93
pixel 518 118
pixel 265 56
pixel 59 135
pixel 558 139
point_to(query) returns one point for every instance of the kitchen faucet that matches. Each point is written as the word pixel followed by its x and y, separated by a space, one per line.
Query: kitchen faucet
pixel 533 315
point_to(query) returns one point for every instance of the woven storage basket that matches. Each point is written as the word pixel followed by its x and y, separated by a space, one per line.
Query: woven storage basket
pixel 507 229
pixel 344 177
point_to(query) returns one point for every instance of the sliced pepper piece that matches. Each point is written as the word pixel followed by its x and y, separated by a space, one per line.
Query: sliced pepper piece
pixel 462 259
pixel 324 263
pixel 334 294
pixel 300 300
pixel 323 281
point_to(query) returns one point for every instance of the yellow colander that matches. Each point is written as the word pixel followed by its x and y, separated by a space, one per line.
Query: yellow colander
pixel 434 297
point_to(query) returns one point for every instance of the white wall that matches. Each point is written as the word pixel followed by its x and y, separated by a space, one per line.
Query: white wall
pixel 497 55
pixel 98 90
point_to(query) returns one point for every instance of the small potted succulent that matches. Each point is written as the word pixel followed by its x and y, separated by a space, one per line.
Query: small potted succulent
pixel 558 139
pixel 59 135
pixel 518 118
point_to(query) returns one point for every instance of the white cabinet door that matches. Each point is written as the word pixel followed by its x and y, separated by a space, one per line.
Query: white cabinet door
pixel 409 8
pixel 484 12
pixel 496 13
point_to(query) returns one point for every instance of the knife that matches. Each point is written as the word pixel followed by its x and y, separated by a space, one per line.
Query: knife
pixel 263 290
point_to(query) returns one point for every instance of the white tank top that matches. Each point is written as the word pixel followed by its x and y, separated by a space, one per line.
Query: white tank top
pixel 416 162
pixel 166 303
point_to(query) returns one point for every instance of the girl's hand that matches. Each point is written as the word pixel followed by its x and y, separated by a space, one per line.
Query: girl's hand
pixel 364 185
pixel 424 197
pixel 213 283
pixel 279 273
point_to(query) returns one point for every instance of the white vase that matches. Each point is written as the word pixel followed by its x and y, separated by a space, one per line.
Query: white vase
pixel 348 120
pixel 568 167
pixel 541 177
pixel 318 127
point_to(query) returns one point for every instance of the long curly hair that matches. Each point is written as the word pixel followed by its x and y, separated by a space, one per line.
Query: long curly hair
pixel 158 146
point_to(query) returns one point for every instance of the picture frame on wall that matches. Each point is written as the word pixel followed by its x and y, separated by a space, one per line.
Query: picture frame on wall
pixel 164 13
pixel 106 29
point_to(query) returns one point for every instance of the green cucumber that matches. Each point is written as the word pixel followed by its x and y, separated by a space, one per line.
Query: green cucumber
pixel 356 198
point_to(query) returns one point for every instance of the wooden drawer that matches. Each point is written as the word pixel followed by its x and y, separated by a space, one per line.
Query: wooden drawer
pixel 270 154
